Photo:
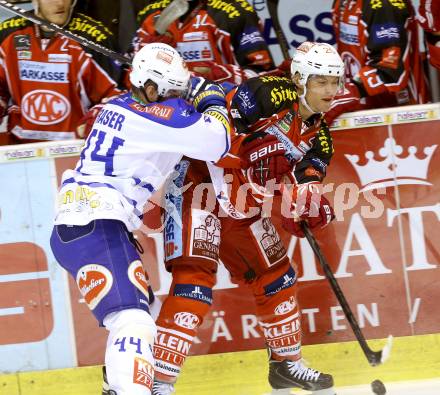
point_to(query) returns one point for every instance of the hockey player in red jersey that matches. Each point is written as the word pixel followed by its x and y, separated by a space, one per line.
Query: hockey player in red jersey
pixel 279 135
pixel 429 18
pixel 220 40
pixel 47 81
pixel 378 41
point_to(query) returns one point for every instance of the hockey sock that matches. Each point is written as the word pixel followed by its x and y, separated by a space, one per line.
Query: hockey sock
pixel 279 316
pixel 129 356
pixel 181 314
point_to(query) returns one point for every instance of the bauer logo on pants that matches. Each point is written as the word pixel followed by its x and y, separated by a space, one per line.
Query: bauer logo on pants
pixel 136 274
pixel 268 241
pixel 205 235
pixel 94 282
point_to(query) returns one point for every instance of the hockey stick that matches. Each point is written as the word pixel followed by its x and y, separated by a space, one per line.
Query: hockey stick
pixel 81 40
pixel 173 11
pixel 374 357
pixel 272 7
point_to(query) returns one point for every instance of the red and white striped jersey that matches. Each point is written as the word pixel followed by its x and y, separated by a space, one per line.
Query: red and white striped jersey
pixel 429 19
pixel 47 83
pixel 378 41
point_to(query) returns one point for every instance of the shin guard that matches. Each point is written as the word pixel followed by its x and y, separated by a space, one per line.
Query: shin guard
pixel 279 315
pixel 129 356
pixel 181 314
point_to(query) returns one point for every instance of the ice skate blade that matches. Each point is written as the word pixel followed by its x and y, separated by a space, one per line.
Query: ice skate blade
pixel 293 391
pixel 327 391
pixel 284 391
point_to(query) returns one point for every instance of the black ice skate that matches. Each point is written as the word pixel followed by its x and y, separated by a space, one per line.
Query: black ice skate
pixel 105 387
pixel 160 388
pixel 293 374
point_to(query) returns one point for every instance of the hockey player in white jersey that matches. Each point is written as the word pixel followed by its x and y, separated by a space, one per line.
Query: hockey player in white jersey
pixel 136 141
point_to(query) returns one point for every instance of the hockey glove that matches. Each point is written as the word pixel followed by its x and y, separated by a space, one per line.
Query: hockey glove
pixel 3 109
pixel 308 204
pixel 205 93
pixel 262 155
pixel 282 70
pixel 85 124
pixel 348 101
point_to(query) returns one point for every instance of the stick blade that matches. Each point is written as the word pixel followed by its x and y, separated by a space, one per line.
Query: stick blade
pixel 386 351
pixel 376 358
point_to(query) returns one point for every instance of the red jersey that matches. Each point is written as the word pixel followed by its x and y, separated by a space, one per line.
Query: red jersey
pixel 429 19
pixel 272 104
pixel 222 31
pixel 47 83
pixel 378 41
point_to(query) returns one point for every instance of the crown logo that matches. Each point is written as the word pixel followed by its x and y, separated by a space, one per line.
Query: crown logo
pixel 393 169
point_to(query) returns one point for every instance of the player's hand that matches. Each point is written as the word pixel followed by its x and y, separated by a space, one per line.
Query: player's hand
pixel 282 70
pixel 220 73
pixel 308 204
pixel 348 101
pixel 205 93
pixel 86 122
pixel 263 155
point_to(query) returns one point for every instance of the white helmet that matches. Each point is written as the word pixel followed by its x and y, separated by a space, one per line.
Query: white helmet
pixel 311 59
pixel 316 59
pixel 161 64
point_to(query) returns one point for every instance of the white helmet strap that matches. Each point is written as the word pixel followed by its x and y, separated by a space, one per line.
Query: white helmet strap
pixel 304 100
pixel 305 104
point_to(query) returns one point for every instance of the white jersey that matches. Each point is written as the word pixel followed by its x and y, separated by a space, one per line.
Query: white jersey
pixel 129 154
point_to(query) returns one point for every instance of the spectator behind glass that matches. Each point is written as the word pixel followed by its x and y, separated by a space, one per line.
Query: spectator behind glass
pixel 47 81
pixel 379 44
pixel 429 19
pixel 221 41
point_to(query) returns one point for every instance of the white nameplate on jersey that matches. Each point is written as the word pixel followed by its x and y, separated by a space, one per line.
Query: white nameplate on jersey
pixel 292 151
pixel 43 72
pixel 349 34
pixel 60 57
pixel 195 51
pixel 195 36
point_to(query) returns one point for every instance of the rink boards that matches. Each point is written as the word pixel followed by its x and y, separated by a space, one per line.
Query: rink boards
pixel 384 182
pixel 245 372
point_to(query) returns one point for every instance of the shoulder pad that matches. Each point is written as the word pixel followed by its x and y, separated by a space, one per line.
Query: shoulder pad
pixel 150 8
pixel 279 91
pixel 230 9
pixel 324 140
pixel 11 25
pixel 244 4
pixel 89 28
